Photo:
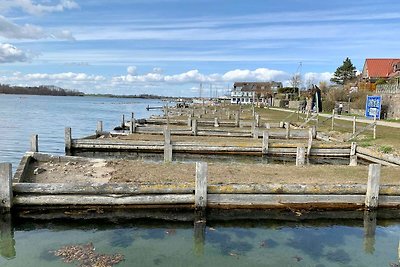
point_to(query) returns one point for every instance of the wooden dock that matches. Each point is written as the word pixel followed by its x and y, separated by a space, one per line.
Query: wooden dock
pixel 200 194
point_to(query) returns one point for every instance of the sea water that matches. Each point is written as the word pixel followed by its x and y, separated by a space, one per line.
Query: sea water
pixel 145 242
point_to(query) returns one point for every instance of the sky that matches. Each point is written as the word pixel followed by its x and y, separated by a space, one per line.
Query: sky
pixel 176 47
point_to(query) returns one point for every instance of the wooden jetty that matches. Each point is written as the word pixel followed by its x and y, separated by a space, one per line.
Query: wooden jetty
pixel 20 191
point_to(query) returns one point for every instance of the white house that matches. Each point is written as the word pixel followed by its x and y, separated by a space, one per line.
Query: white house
pixel 249 92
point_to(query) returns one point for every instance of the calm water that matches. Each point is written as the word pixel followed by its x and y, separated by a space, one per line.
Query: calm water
pixel 47 116
pixel 145 242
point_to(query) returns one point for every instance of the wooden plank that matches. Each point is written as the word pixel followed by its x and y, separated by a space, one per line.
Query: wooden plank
pixel 372 195
pixel 22 169
pixel 201 185
pixel 99 188
pixel 383 157
pixel 311 189
pixel 259 200
pixel 6 194
pixel 34 200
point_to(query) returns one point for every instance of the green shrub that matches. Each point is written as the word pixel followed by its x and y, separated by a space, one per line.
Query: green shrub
pixel 385 149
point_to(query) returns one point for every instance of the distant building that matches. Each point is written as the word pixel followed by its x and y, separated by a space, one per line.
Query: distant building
pixel 257 92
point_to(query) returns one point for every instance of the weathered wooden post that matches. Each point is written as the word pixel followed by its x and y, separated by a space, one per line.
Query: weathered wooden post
pixel 200 196
pixel 123 122
pixel 354 124
pixel 287 126
pixel 189 120
pixel 99 127
pixel 369 231
pixel 310 139
pixel 237 119
pixel 314 131
pixel 6 193
pixel 281 124
pixel 267 125
pixel 333 119
pixel 216 124
pixel 68 139
pixel 194 127
pixel 254 131
pixel 265 142
pixel 258 120
pixel 353 155
pixel 34 143
pixel 374 175
pixel 132 126
pixel 167 145
pixel 300 156
pixel 228 114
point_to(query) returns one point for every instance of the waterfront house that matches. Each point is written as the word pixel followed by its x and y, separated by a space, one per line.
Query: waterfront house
pixel 257 92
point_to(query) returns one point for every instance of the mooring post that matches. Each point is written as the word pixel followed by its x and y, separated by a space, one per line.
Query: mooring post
pixel 237 119
pixel 216 124
pixel 123 122
pixel 257 120
pixel 314 131
pixel 7 242
pixel 333 119
pixel 228 114
pixel 167 145
pixel 194 127
pixel 374 176
pixel 68 139
pixel 200 197
pixel 287 126
pixel 189 122
pixel 265 142
pixel 353 155
pixel 354 124
pixel 99 127
pixel 34 143
pixel 254 131
pixel 310 139
pixel 281 124
pixel 369 231
pixel 6 193
pixel 300 156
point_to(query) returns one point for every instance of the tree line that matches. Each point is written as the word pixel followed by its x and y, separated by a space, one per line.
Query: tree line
pixel 38 90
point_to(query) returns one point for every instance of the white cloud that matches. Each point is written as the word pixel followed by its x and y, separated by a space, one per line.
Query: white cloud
pixel 9 53
pixel 260 74
pixel 38 8
pixel 131 70
pixel 11 30
pixel 315 77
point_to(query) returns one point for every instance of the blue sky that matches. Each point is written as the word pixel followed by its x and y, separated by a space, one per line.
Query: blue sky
pixel 169 47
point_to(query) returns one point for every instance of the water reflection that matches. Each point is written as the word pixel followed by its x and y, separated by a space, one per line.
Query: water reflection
pixel 173 237
pixel 7 242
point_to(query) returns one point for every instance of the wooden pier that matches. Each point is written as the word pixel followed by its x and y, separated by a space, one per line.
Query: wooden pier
pixel 23 191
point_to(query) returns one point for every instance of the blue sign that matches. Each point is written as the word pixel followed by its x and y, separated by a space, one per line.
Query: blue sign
pixel 373 106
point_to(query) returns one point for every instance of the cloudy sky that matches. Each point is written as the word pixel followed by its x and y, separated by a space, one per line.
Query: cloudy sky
pixel 169 47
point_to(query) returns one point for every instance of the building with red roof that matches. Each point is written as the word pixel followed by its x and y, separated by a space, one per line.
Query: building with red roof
pixel 380 68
